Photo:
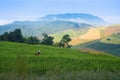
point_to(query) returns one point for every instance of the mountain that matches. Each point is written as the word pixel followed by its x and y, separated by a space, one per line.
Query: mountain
pixel 75 17
pixel 54 24
pixel 36 28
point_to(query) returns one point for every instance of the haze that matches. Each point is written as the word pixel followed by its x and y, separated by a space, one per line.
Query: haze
pixel 11 10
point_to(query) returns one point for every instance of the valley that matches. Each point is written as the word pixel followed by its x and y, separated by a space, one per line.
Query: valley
pixel 80 31
pixel 59 40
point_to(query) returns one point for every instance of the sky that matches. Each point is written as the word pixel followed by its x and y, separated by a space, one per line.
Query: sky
pixel 11 10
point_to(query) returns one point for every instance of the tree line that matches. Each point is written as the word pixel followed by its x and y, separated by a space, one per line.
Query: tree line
pixel 16 36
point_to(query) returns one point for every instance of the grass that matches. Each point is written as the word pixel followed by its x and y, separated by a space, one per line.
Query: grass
pixel 97 45
pixel 18 62
pixel 72 32
pixel 113 39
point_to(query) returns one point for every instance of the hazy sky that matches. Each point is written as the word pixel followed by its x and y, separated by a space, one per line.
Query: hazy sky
pixel 109 10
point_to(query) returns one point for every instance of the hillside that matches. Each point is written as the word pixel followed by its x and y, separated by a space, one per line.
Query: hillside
pixel 36 28
pixel 101 47
pixel 18 61
pixel 109 39
pixel 113 39
pixel 72 32
pixel 79 32
pixel 81 35
pixel 108 31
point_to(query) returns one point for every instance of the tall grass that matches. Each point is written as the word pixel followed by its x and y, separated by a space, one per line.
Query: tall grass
pixel 17 61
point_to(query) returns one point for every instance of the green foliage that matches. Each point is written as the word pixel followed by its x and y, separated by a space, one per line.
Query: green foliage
pixel 113 39
pixel 113 49
pixel 32 40
pixel 110 44
pixel 64 41
pixel 55 63
pixel 4 36
pixel 72 32
pixel 15 36
pixel 66 38
pixel 47 40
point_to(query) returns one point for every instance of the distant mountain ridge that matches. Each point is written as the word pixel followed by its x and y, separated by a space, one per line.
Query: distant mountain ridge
pixel 53 23
pixel 36 28
pixel 75 17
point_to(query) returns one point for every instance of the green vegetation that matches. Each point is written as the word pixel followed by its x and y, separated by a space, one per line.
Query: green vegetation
pixel 32 40
pixel 19 62
pixel 72 32
pixel 110 44
pixel 114 39
pixel 64 41
pixel 100 46
pixel 47 40
pixel 16 36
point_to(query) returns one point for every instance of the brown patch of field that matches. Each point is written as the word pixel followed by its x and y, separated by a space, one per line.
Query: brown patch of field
pixel 111 29
pixel 77 40
pixel 91 51
pixel 92 34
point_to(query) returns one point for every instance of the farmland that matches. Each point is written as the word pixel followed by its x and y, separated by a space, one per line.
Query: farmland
pixel 18 62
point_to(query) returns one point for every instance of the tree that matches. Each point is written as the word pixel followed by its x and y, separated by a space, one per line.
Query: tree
pixel 18 35
pixel 64 41
pixel 32 40
pixel 1 37
pixel 47 40
pixel 5 36
pixel 15 36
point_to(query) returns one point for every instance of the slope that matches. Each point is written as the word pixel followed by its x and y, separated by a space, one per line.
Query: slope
pixel 72 32
pixel 81 35
pixel 101 47
pixel 18 61
pixel 109 40
pixel 113 39
pixel 36 28
pixel 111 30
